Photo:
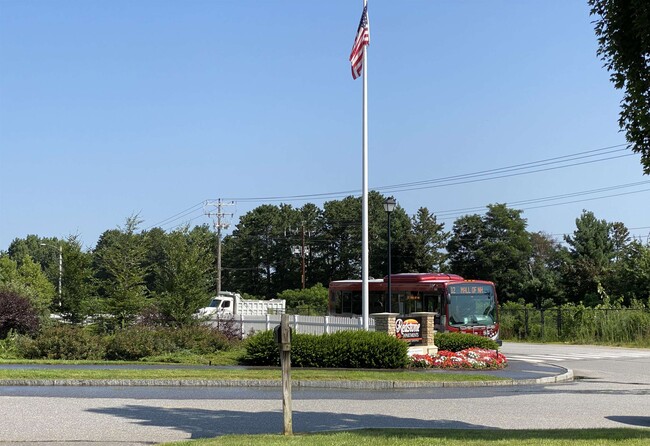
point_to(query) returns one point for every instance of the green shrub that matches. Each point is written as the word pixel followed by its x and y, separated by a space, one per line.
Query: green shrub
pixel 307 351
pixel 261 349
pixel 456 341
pixel 62 342
pixel 198 339
pixel 133 343
pixel 365 349
pixel 344 349
pixel 137 342
pixel 129 344
pixel 9 346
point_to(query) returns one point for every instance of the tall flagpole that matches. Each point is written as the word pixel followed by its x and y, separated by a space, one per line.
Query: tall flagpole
pixel 364 198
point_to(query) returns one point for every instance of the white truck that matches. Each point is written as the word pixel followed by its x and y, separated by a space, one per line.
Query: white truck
pixel 227 303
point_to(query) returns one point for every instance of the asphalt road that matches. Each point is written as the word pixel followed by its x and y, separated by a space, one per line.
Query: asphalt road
pixel 612 393
pixel 594 363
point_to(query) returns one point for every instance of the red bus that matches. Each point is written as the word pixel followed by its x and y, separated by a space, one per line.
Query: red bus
pixel 463 305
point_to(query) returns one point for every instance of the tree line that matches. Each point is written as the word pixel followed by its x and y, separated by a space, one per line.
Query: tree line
pixel 167 275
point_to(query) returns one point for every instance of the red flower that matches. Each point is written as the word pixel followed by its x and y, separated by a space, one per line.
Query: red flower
pixel 472 358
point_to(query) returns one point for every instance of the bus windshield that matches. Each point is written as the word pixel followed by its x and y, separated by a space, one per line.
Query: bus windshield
pixel 471 304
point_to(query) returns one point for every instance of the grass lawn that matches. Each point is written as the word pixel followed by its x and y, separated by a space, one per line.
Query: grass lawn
pixel 228 371
pixel 218 373
pixel 440 437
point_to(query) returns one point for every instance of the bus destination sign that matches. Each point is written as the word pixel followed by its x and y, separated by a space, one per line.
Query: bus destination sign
pixel 467 289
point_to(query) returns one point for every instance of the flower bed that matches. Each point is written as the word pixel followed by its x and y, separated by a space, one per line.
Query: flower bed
pixel 471 358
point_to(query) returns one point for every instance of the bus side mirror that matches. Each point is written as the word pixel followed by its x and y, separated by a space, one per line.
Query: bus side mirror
pixel 448 299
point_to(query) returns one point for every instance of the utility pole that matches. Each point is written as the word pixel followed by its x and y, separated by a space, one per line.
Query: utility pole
pixel 220 223
pixel 302 250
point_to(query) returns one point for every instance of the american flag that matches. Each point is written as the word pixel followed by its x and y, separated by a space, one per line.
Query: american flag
pixel 360 42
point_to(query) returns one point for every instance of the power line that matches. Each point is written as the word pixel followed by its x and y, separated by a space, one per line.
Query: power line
pixel 454 213
pixel 179 215
pixel 486 178
pixel 484 175
pixel 588 199
pixel 518 167
pixel 461 211
pixel 472 177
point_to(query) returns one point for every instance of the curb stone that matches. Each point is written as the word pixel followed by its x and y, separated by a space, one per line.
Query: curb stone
pixel 567 376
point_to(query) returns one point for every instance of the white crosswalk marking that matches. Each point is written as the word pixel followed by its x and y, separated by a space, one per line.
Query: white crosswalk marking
pixel 538 358
pixel 523 358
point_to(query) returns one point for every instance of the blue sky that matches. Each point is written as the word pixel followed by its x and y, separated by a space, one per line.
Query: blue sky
pixel 109 109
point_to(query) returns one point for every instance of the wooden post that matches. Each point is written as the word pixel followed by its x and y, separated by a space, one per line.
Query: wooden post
pixel 285 361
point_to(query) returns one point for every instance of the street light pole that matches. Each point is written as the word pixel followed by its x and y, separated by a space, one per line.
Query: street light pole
pixel 389 207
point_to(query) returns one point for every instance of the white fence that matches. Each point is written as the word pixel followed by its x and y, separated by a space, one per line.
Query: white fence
pixel 300 324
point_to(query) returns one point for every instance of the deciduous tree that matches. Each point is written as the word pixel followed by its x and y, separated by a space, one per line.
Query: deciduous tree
pixel 623 31
pixel 27 279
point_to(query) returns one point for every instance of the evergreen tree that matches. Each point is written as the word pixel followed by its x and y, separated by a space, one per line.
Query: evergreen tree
pixel 183 276
pixel 250 252
pixel 464 247
pixel 494 247
pixel 428 240
pixel 543 285
pixel 78 297
pixel 120 266
pixel 591 253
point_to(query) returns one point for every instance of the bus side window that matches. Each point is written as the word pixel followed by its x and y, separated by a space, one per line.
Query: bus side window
pixel 377 302
pixel 346 297
pixel 429 303
pixel 356 303
pixel 338 302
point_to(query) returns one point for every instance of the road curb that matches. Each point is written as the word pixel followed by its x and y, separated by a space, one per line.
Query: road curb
pixel 354 385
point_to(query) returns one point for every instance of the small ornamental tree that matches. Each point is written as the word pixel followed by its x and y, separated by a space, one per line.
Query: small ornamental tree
pixel 17 314
pixel 308 301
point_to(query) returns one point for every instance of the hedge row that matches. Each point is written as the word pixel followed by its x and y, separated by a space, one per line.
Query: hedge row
pixel 345 349
pixel 455 342
pixel 130 344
